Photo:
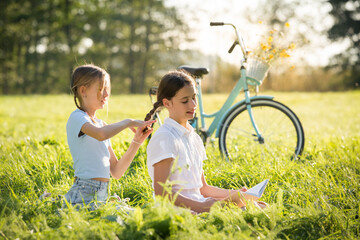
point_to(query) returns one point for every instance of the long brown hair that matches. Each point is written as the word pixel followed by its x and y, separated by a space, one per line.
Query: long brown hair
pixel 84 76
pixel 169 85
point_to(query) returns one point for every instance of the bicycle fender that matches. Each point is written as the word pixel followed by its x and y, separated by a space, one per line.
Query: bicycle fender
pixel 242 102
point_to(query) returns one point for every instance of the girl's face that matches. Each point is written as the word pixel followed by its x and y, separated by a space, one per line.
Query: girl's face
pixel 97 95
pixel 183 105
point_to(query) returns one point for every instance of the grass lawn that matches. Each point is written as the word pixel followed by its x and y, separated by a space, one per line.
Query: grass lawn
pixel 315 197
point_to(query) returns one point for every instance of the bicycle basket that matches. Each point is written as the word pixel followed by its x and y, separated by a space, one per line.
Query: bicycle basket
pixel 256 71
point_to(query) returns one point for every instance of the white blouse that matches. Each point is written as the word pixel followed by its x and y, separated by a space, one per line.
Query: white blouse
pixel 185 146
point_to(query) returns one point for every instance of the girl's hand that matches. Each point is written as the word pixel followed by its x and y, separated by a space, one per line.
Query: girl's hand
pixel 243 189
pixel 140 135
pixel 207 204
pixel 133 123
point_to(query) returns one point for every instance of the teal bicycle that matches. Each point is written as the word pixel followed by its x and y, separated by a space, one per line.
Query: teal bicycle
pixel 254 127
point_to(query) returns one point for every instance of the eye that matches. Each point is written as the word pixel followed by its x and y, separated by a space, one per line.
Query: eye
pixel 185 102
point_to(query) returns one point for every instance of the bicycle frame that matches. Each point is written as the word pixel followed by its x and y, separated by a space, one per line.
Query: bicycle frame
pixel 227 107
pixel 232 124
pixel 220 115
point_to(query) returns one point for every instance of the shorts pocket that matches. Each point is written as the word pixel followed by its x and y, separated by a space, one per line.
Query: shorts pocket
pixel 81 193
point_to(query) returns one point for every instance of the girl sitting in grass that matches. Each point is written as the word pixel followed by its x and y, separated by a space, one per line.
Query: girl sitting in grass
pixel 89 138
pixel 176 152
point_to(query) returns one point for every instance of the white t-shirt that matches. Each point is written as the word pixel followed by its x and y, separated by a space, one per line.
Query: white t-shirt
pixel 185 146
pixel 91 157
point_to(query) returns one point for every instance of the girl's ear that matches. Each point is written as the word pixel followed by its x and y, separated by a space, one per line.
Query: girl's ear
pixel 82 90
pixel 166 102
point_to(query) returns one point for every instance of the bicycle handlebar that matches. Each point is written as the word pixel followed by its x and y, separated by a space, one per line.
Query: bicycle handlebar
pixel 216 24
pixel 232 47
pixel 239 40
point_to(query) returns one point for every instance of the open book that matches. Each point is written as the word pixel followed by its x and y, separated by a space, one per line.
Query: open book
pixel 256 192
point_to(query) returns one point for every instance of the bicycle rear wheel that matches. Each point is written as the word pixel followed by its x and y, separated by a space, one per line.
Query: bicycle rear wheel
pixel 281 130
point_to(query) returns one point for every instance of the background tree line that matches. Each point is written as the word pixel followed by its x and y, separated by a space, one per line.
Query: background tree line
pixel 136 41
pixel 42 41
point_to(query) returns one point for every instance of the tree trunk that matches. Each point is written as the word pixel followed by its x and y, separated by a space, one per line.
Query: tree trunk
pixel 132 54
pixel 147 49
pixel 68 35
pixel 4 76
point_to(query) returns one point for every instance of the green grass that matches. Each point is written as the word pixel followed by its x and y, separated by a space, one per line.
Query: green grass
pixel 316 197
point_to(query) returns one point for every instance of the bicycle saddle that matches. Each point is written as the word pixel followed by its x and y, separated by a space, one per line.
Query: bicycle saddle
pixel 197 72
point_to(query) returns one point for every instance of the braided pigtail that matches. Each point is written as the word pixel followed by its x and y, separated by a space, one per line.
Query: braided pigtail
pixel 76 98
pixel 156 106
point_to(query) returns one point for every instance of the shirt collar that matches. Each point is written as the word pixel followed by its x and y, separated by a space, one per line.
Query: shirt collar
pixel 177 127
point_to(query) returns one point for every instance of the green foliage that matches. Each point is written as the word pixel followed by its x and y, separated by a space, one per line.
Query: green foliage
pixel 42 41
pixel 312 198
pixel 346 27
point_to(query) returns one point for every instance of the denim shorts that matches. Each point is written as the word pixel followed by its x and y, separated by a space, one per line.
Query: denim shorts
pixel 87 192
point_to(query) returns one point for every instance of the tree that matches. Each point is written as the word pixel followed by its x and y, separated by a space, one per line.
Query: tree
pixel 42 41
pixel 152 31
pixel 347 28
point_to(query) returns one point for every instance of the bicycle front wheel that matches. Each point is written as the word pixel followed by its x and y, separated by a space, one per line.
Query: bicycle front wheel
pixel 281 132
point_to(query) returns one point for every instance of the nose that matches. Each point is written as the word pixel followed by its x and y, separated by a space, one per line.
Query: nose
pixel 105 93
pixel 194 102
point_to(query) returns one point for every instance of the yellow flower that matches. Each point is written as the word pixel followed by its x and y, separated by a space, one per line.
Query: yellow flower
pixel 292 67
pixel 292 46
pixel 284 54
pixel 271 46
pixel 264 47
pixel 260 22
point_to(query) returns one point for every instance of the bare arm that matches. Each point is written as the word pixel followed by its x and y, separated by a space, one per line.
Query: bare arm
pixel 162 171
pixel 119 167
pixel 226 195
pixel 215 192
pixel 108 131
pixel 211 191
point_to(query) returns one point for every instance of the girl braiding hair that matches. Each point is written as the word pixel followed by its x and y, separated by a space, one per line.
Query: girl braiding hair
pixel 89 139
pixel 169 85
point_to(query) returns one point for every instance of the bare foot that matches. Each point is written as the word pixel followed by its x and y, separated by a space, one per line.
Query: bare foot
pixel 261 204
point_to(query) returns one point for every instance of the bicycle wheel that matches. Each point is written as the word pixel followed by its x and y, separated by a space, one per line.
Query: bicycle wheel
pixel 281 131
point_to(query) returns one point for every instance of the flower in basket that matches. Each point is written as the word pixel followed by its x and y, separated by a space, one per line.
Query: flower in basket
pixel 273 46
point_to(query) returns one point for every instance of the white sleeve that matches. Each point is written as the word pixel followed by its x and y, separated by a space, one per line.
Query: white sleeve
pixel 161 146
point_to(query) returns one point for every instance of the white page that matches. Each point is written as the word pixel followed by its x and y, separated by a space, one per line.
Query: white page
pixel 257 190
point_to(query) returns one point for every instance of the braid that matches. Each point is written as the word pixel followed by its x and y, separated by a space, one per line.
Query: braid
pixel 156 105
pixel 75 100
